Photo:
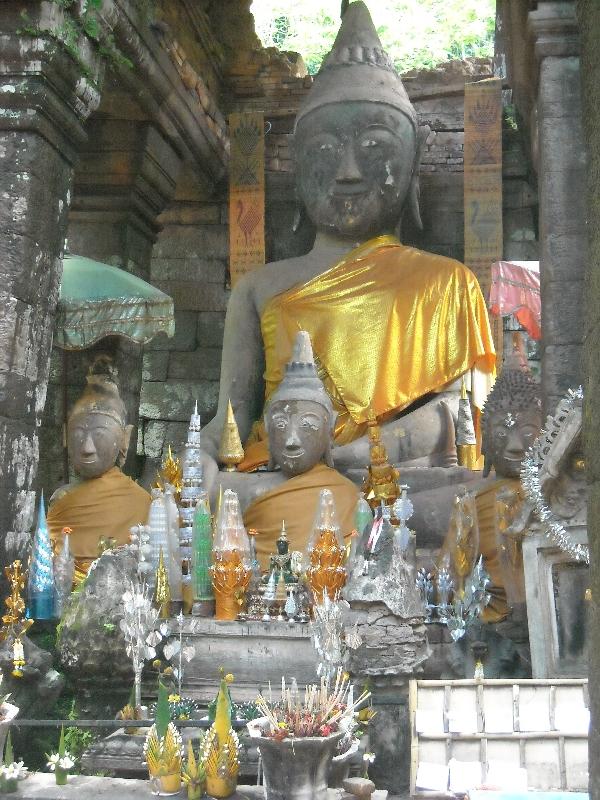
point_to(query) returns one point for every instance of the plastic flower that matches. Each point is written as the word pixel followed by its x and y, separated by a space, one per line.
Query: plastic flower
pixel 65 762
pixel 174 698
pixel 368 758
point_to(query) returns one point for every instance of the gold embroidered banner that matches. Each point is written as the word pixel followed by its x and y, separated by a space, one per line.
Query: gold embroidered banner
pixel 483 187
pixel 246 193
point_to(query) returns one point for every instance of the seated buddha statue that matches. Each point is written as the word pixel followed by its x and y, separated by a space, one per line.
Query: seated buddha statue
pixel 300 420
pixel 511 421
pixel 392 327
pixel 103 503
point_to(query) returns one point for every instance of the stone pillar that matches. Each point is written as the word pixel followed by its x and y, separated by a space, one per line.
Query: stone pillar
pixel 393 650
pixel 44 99
pixel 561 175
pixel 124 179
pixel 589 21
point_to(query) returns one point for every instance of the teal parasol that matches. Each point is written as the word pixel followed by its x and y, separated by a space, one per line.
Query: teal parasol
pixel 98 300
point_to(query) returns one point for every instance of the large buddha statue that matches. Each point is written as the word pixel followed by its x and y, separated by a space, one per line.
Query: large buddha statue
pixel 391 326
pixel 103 503
pixel 299 419
pixel 511 421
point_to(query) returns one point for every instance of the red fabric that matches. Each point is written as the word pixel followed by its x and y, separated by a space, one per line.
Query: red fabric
pixel 516 290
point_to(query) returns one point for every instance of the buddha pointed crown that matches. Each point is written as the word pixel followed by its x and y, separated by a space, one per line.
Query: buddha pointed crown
pixel 101 394
pixel 358 68
pixel 301 380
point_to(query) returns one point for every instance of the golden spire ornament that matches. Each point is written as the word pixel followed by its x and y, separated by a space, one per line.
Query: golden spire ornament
pixel 381 482
pixel 231 452
pixel 162 592
pixel 13 623
pixel 326 553
pixel 171 472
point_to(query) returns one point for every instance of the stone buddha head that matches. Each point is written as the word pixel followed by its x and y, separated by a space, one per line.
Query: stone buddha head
pixel 299 416
pixel 512 419
pixel 356 137
pixel 97 431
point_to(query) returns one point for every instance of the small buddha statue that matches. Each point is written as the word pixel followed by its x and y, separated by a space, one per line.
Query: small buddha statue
pixel 511 421
pixel 280 562
pixel 300 420
pixel 393 327
pixel 102 504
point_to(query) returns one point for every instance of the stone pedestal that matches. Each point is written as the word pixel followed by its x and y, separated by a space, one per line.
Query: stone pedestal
pixel 44 101
pixel 561 175
pixel 257 653
pixel 393 650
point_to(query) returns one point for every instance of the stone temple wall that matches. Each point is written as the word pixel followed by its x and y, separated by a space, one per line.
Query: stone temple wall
pixel 190 257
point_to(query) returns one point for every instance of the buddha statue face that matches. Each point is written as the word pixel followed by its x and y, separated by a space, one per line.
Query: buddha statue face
pixel 355 162
pixel 299 434
pixel 511 435
pixel 96 441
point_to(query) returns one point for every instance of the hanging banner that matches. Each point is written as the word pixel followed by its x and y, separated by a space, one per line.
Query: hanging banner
pixel 246 193
pixel 483 187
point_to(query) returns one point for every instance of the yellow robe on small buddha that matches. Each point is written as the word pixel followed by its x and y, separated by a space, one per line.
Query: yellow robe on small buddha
pixel 106 506
pixel 296 501
pixel 388 324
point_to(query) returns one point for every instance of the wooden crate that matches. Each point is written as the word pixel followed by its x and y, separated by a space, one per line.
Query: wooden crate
pixel 539 725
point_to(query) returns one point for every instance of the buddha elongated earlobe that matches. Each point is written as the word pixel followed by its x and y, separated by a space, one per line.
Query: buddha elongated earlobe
pixel 127 431
pixel 329 454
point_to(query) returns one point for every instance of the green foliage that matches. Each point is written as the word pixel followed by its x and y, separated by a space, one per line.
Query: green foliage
pixel 77 23
pixel 163 712
pixel 9 755
pixel 416 33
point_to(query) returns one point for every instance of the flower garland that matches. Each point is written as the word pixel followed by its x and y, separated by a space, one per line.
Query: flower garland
pixel 530 479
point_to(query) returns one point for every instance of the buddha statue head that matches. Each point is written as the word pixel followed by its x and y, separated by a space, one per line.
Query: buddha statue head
pixel 512 419
pixel 299 417
pixel 97 431
pixel 356 139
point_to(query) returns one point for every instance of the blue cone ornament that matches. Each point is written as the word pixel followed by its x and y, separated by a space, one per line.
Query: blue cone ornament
pixel 41 571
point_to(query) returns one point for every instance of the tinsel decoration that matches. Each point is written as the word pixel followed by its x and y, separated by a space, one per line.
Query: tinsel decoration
pixel 327 634
pixel 41 571
pixel 140 619
pixel 530 479
pixel 64 571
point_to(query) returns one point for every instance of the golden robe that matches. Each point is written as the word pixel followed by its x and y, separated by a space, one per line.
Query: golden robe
pixel 388 324
pixel 485 502
pixel 295 501
pixel 106 506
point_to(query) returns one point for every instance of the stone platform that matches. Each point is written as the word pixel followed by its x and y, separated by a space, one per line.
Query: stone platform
pixel 42 786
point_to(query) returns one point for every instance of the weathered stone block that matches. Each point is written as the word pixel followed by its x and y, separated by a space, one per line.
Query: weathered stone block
pixel 150 443
pixel 174 400
pixel 192 296
pixel 211 326
pixel 155 365
pixel 185 213
pixel 209 270
pixel 185 334
pixel 202 364
pixel 178 241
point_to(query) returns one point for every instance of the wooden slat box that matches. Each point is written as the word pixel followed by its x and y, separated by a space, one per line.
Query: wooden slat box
pixel 538 725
